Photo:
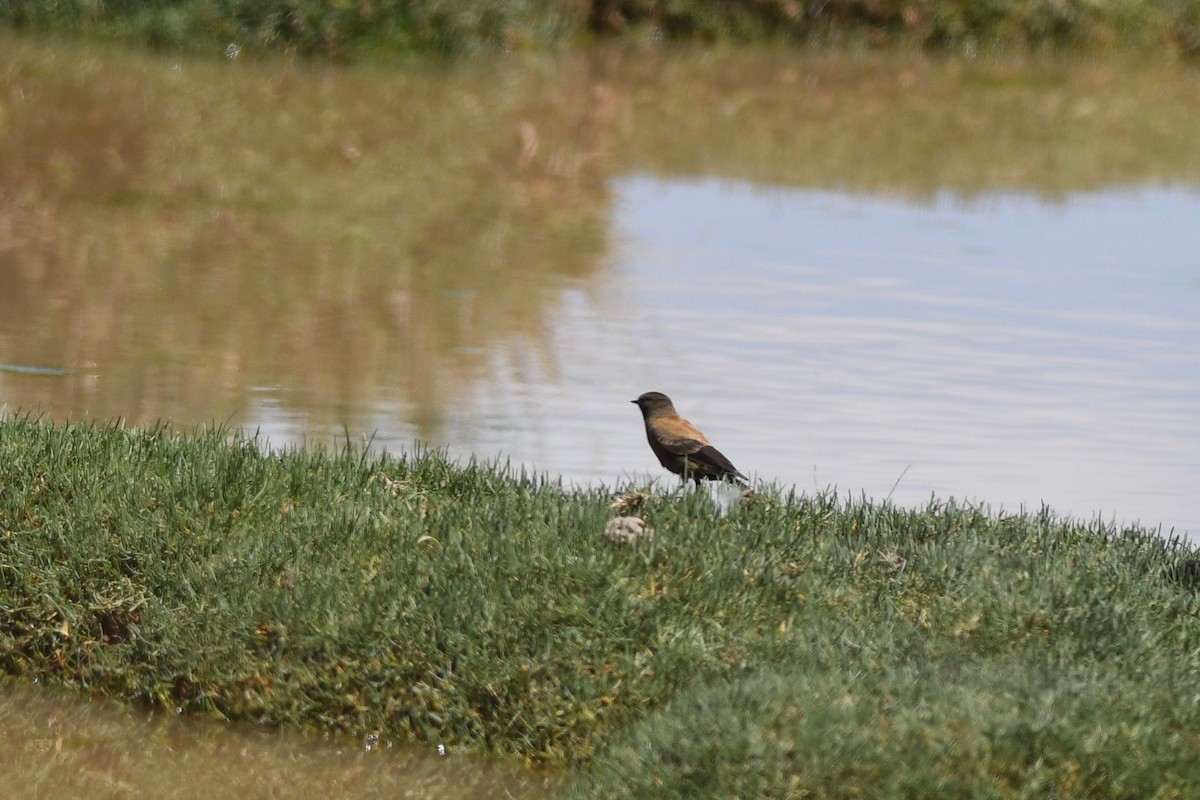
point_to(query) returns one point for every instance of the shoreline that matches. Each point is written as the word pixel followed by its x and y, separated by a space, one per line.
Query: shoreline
pixel 372 32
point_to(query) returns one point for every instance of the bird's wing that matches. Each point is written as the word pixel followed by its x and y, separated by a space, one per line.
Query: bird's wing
pixel 679 436
pixel 715 458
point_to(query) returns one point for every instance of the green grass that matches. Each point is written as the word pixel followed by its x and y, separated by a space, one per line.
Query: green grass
pixel 799 646
pixel 357 30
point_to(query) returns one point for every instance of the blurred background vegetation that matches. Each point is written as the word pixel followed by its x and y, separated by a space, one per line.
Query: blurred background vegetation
pixel 375 29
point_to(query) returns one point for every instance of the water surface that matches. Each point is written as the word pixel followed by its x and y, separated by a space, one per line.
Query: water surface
pixel 896 276
pixel 1009 350
pixel 52 744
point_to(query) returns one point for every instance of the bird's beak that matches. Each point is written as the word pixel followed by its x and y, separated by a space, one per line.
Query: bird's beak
pixel 634 402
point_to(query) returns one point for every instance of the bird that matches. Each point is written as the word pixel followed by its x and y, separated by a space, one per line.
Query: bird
pixel 680 446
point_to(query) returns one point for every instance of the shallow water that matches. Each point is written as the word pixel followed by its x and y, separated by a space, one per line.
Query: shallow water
pixel 52 744
pixel 896 276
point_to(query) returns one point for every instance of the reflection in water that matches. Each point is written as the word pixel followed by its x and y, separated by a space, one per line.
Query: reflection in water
pixel 197 239
pixel 52 744
pixel 1007 350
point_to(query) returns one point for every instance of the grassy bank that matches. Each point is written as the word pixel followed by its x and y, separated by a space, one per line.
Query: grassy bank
pixel 390 27
pixel 798 646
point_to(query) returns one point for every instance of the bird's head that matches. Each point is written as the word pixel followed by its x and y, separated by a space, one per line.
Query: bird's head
pixel 654 403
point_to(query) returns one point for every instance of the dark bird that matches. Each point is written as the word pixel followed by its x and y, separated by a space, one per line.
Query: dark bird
pixel 680 446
